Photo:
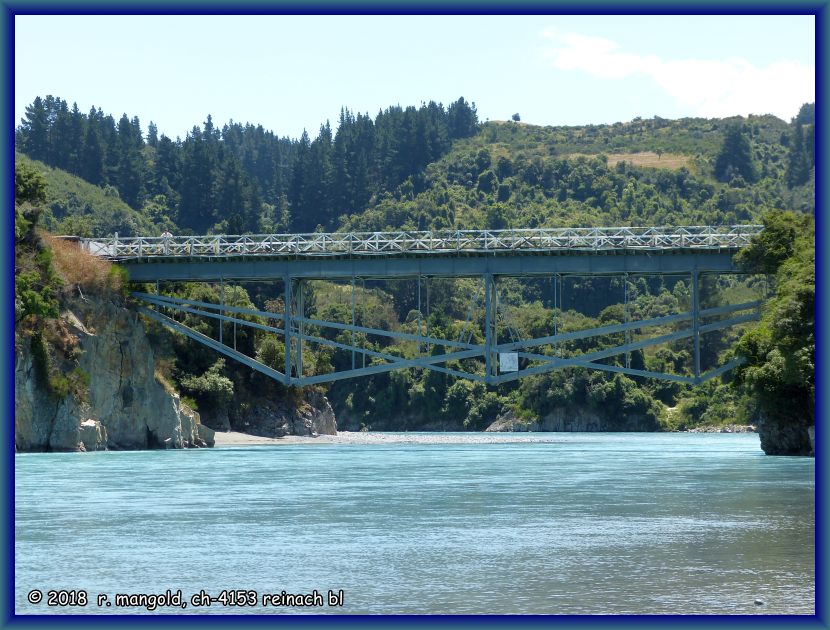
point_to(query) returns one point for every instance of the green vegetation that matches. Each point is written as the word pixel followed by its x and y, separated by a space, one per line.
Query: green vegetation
pixel 36 283
pixel 74 206
pixel 238 179
pixel 439 168
pixel 212 387
pixel 46 271
pixel 780 352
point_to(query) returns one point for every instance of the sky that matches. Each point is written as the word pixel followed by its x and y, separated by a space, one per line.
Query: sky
pixel 290 73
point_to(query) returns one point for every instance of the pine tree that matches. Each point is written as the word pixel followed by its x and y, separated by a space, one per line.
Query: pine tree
pixel 112 153
pixel 735 157
pixel 798 167
pixel 130 182
pixel 92 155
pixel 35 131
pixel 196 209
pixel 60 146
pixel 298 189
pixel 462 119
pixel 152 135
pixel 77 125
pixel 166 175
pixel 230 199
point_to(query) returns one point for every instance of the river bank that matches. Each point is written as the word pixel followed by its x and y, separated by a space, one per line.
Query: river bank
pixel 232 438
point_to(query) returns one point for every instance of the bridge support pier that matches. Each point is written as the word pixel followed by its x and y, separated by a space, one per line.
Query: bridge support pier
pixel 300 313
pixel 490 322
pixel 288 325
pixel 696 320
pixel 222 309
pixel 354 323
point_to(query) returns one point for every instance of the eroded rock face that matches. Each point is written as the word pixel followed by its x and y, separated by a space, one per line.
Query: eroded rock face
pixel 93 435
pixel 41 422
pixel 277 419
pixel 127 408
pixel 784 437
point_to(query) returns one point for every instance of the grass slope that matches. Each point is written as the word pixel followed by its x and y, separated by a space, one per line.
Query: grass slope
pixel 76 207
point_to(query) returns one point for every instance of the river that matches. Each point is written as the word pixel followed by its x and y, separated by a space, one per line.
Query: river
pixel 556 524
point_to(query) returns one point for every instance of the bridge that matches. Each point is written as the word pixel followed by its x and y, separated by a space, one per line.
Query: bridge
pixel 293 260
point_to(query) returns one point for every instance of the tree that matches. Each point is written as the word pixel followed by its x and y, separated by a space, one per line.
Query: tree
pixel 735 156
pixel 76 139
pixel 35 282
pixel 298 192
pixel 487 181
pixel 152 134
pixel 130 180
pixel 60 147
pixel 29 197
pixel 35 131
pixel 516 117
pixel 167 165
pixel 197 183
pixel 779 353
pixel 775 244
pixel 462 119
pixel 799 157
pixel 212 388
pixel 91 166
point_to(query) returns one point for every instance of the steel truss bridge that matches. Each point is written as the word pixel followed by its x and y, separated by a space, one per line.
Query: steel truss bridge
pixel 490 255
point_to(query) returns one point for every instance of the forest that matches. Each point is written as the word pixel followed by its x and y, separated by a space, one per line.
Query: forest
pixel 436 167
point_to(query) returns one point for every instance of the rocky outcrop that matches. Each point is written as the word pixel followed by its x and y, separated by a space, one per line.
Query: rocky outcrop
pixel 311 417
pixel 784 436
pixel 573 420
pixel 125 406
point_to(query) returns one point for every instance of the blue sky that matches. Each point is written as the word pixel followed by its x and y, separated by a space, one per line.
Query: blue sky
pixel 294 72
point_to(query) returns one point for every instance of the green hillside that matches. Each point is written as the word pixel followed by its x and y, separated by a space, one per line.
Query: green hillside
pixel 437 168
pixel 76 207
pixel 517 175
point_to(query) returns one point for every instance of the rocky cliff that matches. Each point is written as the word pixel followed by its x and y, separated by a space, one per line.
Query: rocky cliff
pixel 124 407
pixel 310 416
pixel 783 436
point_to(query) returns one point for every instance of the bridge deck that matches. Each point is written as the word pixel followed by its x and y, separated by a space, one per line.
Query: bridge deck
pixel 452 253
pixel 396 243
pixel 662 263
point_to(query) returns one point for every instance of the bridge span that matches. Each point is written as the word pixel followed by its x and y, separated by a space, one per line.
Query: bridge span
pixel 295 259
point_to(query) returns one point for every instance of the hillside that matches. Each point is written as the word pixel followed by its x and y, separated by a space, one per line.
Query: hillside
pixel 74 206
pixel 516 175
pixel 437 168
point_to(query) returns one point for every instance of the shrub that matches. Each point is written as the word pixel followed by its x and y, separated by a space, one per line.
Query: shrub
pixel 90 273
pixel 211 386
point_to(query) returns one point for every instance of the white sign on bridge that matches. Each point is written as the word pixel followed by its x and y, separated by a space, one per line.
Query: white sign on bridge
pixel 508 361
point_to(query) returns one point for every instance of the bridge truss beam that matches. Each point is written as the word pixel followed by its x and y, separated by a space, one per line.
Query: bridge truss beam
pixel 457 358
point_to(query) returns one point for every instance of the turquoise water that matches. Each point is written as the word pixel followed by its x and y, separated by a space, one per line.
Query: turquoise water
pixel 585 524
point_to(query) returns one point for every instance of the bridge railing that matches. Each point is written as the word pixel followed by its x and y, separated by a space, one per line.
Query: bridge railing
pixel 391 243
